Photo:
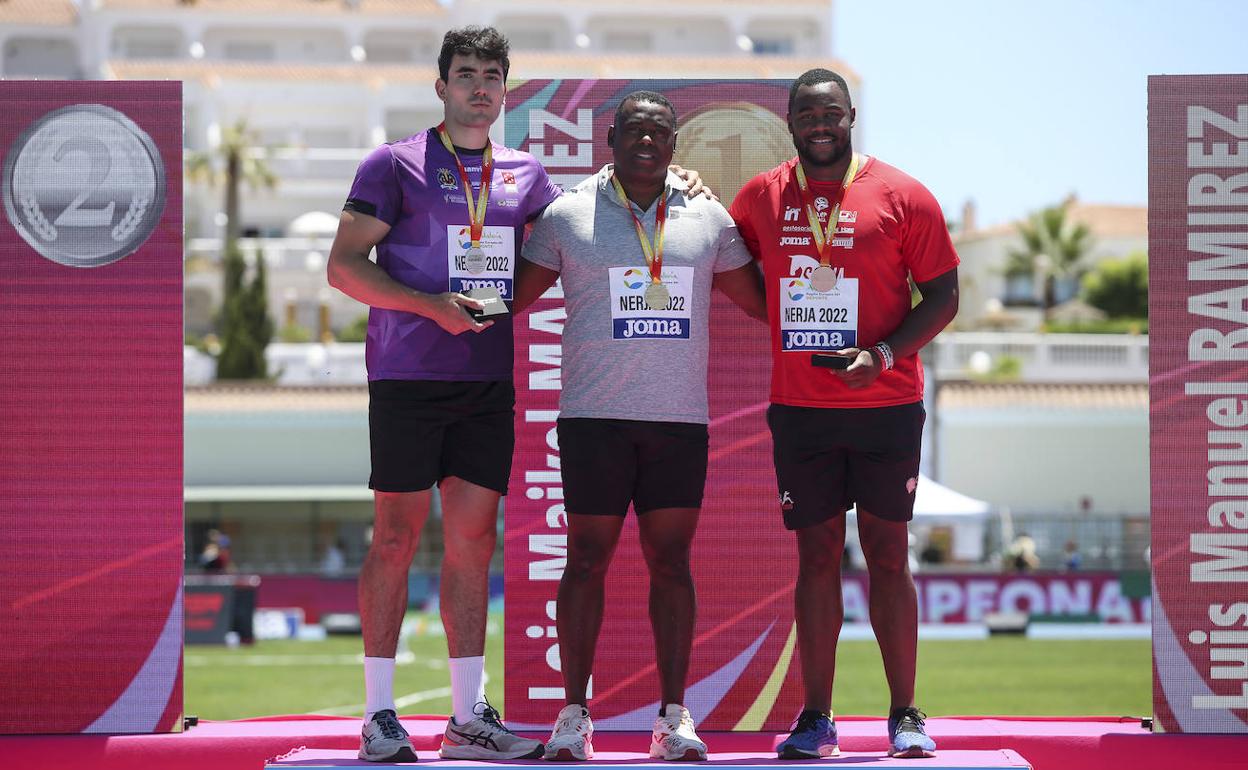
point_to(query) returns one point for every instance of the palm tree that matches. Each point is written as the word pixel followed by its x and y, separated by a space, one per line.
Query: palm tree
pixel 245 326
pixel 230 164
pixel 1052 246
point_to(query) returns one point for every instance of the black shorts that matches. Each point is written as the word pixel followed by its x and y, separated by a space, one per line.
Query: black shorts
pixel 607 464
pixel 828 460
pixel 422 431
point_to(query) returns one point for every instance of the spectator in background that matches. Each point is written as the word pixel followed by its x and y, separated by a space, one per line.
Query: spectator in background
pixel 1021 556
pixel 215 558
pixel 335 559
pixel 1073 559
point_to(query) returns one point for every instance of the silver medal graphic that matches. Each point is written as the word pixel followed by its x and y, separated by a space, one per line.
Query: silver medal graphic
pixel 84 185
pixel 474 260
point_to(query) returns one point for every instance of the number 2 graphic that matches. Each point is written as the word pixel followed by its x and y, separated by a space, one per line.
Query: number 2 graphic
pixel 74 215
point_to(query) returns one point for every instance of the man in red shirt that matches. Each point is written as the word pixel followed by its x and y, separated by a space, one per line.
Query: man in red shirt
pixel 840 236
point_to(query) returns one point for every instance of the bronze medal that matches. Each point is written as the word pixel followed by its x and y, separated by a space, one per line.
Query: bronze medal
pixel 657 296
pixel 823 278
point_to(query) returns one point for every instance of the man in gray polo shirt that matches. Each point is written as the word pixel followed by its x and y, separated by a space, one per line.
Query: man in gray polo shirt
pixel 638 260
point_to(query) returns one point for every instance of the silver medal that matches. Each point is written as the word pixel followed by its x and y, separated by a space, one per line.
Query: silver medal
pixel 474 260
pixel 84 185
pixel 657 296
pixel 823 278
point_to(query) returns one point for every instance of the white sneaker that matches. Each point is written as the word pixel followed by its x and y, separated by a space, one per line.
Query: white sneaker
pixel 674 739
pixel 383 739
pixel 570 741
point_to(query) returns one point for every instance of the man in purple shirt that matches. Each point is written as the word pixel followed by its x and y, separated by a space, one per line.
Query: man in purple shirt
pixel 446 211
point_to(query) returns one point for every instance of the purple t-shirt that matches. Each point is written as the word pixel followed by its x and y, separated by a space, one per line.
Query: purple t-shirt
pixel 413 185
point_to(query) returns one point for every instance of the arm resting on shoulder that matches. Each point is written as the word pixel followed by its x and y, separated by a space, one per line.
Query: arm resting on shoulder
pixel 532 281
pixel 744 286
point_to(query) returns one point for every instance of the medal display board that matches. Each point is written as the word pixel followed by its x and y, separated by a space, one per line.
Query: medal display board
pixel 91 407
pixel 1198 393
pixel 743 671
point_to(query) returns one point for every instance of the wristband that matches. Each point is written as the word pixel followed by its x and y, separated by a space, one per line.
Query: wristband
pixel 885 353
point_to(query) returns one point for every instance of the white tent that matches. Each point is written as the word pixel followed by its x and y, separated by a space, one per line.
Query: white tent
pixel 932 500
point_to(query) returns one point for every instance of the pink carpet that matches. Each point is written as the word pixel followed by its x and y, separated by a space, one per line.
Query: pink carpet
pixel 952 759
pixel 1063 743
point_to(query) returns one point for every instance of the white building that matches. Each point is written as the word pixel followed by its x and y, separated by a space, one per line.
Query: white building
pixel 989 294
pixel 322 82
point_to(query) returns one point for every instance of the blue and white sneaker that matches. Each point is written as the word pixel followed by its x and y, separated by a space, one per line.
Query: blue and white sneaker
pixel 813 737
pixel 907 738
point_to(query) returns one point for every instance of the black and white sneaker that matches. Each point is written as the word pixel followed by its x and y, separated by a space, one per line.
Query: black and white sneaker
pixel 383 739
pixel 486 737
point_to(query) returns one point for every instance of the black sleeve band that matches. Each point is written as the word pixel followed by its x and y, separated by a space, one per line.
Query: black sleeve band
pixel 361 206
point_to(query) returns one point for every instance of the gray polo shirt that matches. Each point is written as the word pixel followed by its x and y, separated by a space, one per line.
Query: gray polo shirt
pixel 622 360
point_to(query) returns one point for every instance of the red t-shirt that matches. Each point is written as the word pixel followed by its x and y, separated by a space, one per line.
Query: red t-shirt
pixel 890 227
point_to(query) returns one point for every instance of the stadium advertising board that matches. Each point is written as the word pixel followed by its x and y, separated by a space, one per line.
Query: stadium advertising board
pixel 1198 283
pixel 91 407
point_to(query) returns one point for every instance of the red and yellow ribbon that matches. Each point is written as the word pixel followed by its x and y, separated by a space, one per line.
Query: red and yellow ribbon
pixel 654 253
pixel 823 240
pixel 476 214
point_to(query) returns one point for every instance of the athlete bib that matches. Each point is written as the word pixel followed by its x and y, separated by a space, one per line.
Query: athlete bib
pixel 818 320
pixel 493 268
pixel 632 318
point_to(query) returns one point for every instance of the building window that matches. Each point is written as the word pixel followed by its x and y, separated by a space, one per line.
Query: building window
pixel 148 43
pixel 41 57
pixel 627 41
pixel 1020 289
pixel 247 50
pixel 774 46
pixel 382 53
pixel 531 39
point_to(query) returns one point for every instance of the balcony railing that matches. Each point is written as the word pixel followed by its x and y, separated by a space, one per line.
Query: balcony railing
pixel 1119 358
pixel 1072 358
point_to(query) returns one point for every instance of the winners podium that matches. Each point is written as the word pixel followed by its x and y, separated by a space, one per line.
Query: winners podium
pixel 91 599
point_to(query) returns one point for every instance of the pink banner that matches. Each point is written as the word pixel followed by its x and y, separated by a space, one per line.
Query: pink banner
pixel 1198 281
pixel 1092 596
pixel 91 407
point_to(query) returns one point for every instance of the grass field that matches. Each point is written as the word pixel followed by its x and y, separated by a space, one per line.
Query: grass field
pixel 1006 676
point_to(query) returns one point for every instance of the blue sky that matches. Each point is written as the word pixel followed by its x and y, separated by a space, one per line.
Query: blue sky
pixel 1018 104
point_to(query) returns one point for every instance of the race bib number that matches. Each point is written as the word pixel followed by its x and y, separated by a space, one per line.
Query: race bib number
pixel 632 318
pixel 499 245
pixel 818 320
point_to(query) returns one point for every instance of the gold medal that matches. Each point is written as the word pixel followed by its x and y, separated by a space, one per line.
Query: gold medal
pixel 823 278
pixel 474 260
pixel 657 296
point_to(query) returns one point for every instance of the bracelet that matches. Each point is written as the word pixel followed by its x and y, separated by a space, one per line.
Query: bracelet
pixel 885 353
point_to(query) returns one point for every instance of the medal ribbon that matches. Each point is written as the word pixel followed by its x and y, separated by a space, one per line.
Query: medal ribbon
pixel 654 254
pixel 476 214
pixel 823 241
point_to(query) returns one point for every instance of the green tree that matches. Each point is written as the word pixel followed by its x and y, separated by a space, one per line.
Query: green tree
pixel 356 331
pixel 1119 286
pixel 1052 247
pixel 246 328
pixel 232 163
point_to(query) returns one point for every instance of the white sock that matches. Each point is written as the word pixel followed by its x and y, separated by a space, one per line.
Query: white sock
pixel 467 686
pixel 378 686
